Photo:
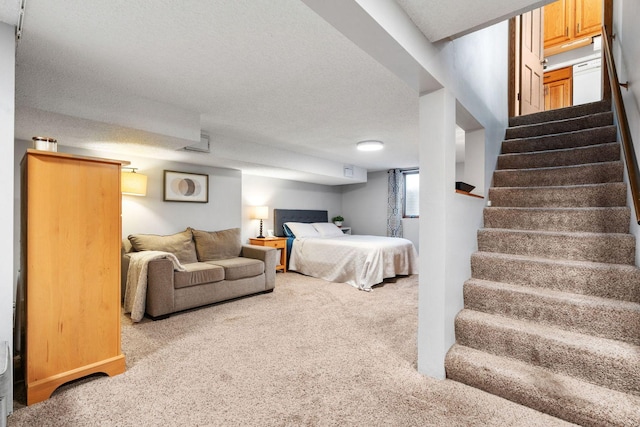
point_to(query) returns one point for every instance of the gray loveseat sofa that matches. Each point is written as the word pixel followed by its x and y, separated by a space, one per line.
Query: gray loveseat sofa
pixel 218 267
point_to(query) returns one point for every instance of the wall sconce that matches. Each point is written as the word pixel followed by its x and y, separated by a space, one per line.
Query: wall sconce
pixel 261 213
pixel 132 183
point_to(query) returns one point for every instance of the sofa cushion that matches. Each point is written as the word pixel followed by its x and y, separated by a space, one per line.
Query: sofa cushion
pixel 239 268
pixel 214 245
pixel 179 244
pixel 197 273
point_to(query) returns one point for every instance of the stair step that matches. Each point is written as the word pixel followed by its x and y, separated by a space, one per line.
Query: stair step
pixel 565 157
pixel 590 220
pixel 602 317
pixel 565 175
pixel 600 195
pixel 560 126
pixel 613 248
pixel 595 195
pixel 561 113
pixel 614 281
pixel 580 138
pixel 559 395
pixel 608 363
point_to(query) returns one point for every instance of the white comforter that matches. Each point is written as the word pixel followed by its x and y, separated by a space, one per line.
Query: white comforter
pixel 361 261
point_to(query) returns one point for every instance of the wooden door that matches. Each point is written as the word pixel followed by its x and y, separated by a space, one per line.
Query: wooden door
pixel 557 22
pixel 531 70
pixel 588 17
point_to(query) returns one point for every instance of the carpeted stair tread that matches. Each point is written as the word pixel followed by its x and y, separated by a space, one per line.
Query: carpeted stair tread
pixel 602 317
pixel 608 152
pixel 605 362
pixel 600 195
pixel 559 395
pixel 593 173
pixel 579 138
pixel 614 248
pixel 594 220
pixel 560 126
pixel 615 281
pixel 561 113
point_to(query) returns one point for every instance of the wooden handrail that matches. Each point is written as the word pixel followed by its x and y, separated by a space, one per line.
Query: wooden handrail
pixel 623 124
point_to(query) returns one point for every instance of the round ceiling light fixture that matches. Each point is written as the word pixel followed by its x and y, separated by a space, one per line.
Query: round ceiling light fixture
pixel 370 145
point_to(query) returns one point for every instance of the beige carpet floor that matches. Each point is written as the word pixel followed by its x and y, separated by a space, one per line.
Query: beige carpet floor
pixel 311 353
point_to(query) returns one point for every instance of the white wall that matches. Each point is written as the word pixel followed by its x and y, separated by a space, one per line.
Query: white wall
pixel 7 119
pixel 365 209
pixel 365 205
pixel 626 51
pixel 283 194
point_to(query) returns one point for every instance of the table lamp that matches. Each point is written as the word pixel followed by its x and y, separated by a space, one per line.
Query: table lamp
pixel 261 213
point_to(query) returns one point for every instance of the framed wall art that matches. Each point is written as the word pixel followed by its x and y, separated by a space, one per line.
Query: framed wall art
pixel 186 187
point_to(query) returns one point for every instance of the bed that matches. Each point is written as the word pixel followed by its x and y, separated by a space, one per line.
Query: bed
pixel 361 261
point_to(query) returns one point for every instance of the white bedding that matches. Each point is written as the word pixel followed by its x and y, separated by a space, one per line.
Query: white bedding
pixel 361 261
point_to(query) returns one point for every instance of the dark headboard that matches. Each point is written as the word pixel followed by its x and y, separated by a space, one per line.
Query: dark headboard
pixel 280 216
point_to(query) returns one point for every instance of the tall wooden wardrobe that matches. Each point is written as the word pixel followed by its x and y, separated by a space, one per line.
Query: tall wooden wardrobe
pixel 70 265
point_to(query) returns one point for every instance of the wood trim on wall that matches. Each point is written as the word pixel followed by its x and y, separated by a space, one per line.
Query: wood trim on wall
pixel 514 76
pixel 607 22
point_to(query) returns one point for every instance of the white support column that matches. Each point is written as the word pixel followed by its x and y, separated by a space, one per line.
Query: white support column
pixel 7 119
pixel 437 186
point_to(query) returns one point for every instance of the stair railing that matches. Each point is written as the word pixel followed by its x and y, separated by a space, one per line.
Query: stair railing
pixel 630 158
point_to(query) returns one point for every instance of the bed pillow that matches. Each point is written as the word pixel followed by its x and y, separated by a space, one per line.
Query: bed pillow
pixel 287 231
pixel 179 244
pixel 212 245
pixel 327 229
pixel 301 229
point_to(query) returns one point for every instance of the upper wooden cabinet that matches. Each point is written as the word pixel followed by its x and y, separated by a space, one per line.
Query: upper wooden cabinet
pixel 588 17
pixel 557 20
pixel 570 23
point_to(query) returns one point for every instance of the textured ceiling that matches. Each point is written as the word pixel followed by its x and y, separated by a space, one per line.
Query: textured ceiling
pixel 270 74
pixel 279 90
pixel 438 19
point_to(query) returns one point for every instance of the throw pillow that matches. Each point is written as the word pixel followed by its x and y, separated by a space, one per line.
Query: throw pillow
pixel 223 244
pixel 179 244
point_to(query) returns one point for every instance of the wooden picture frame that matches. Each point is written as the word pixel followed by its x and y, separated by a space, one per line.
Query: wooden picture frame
pixel 185 187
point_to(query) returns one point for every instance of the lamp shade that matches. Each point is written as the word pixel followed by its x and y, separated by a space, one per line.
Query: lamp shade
pixel 260 212
pixel 133 184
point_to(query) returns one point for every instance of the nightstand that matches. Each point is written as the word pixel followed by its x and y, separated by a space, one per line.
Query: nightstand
pixel 274 242
pixel 346 230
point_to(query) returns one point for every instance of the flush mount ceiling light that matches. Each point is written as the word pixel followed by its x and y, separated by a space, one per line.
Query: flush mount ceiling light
pixel 369 145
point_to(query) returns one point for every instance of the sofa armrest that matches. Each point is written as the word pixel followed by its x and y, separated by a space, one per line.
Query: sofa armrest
pixel 267 255
pixel 124 271
pixel 160 290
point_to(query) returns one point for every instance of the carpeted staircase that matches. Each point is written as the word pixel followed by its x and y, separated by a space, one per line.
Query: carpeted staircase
pixel 551 315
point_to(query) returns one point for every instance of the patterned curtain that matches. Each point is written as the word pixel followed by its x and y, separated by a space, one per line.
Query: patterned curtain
pixel 395 203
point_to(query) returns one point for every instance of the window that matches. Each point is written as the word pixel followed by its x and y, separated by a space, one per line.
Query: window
pixel 411 194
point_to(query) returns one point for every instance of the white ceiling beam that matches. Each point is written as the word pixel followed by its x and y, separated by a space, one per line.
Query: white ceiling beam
pixel 358 25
